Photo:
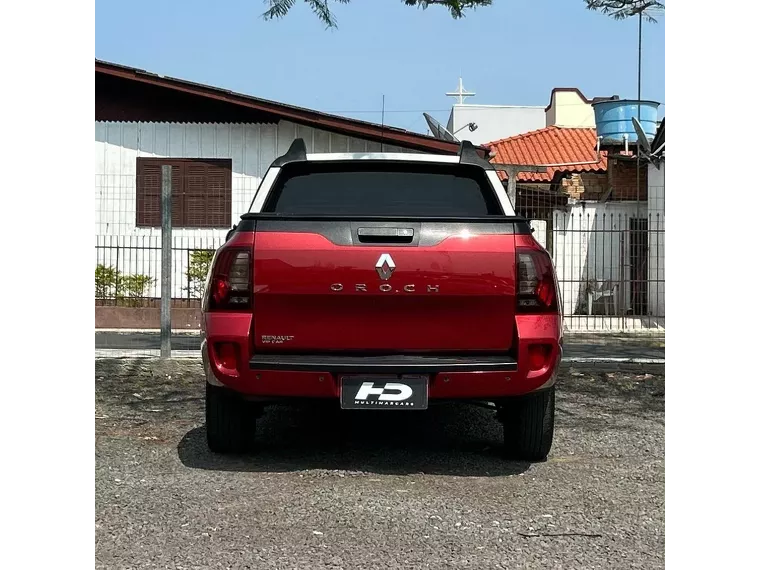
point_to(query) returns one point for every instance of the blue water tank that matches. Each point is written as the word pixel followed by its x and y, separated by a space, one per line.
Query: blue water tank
pixel 613 119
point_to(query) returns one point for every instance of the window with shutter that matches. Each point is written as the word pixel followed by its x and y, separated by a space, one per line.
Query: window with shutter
pixel 201 192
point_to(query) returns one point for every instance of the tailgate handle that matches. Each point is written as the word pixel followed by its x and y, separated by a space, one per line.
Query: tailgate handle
pixel 386 235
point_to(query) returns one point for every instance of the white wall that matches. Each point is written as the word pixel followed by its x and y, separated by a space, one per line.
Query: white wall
pixel 252 148
pixel 494 121
pixel 568 109
pixel 539 231
pixel 656 262
pixel 591 243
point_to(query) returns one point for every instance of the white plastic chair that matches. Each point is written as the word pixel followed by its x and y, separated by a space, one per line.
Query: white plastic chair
pixel 606 290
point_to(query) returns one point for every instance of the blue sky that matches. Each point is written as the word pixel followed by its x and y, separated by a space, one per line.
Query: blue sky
pixel 512 53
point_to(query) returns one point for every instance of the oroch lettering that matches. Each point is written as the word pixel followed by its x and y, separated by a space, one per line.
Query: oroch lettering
pixel 385 288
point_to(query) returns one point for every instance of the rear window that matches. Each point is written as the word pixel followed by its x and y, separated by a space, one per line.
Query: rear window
pixel 382 189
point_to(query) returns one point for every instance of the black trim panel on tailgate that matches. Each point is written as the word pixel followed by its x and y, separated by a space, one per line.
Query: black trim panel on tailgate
pixel 427 233
pixel 385 364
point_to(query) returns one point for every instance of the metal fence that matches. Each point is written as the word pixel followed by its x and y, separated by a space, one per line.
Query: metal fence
pixel 128 270
pixel 610 277
pixel 610 261
pixel 609 257
pixel 141 293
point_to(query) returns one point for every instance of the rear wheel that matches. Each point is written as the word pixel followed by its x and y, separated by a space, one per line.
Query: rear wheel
pixel 230 421
pixel 529 425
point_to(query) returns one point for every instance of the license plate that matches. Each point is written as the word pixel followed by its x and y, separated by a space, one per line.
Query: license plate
pixel 384 392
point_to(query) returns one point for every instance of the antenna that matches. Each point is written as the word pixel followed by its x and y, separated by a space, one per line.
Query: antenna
pixel 382 125
pixel 438 130
pixel 460 93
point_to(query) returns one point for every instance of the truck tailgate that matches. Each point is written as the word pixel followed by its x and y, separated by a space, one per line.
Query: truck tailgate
pixel 329 286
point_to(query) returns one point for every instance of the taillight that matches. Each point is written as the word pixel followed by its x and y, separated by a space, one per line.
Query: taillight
pixel 536 286
pixel 230 285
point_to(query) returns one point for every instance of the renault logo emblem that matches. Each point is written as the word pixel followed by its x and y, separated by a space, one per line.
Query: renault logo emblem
pixel 385 266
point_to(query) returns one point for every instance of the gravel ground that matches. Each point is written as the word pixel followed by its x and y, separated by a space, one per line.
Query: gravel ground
pixel 330 489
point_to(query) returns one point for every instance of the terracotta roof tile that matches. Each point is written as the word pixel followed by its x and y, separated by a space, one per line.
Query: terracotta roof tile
pixel 551 145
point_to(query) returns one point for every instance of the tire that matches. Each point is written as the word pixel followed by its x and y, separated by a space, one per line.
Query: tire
pixel 230 421
pixel 529 426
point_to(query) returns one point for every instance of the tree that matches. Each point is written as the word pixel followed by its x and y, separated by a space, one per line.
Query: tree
pixel 621 9
pixel 279 8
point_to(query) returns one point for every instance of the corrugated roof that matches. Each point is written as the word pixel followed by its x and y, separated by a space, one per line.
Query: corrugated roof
pixel 551 145
pixel 329 122
pixel 659 137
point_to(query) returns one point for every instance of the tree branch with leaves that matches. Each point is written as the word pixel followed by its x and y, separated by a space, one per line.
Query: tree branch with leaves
pixel 321 8
pixel 622 9
pixel 618 9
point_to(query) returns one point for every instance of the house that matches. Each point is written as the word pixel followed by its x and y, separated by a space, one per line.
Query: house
pixel 493 121
pixel 591 213
pixel 482 123
pixel 656 208
pixel 591 207
pixel 568 107
pixel 219 145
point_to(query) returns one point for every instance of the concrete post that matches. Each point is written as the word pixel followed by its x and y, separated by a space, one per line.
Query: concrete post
pixel 166 261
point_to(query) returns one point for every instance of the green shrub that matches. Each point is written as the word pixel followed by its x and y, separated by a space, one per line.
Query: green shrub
pixel 106 281
pixel 135 288
pixel 197 271
pixel 128 290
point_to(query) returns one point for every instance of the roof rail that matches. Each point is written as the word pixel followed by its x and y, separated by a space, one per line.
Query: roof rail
pixel 296 153
pixel 468 154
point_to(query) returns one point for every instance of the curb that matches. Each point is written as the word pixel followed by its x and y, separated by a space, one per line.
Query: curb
pixel 176 332
pixel 635 365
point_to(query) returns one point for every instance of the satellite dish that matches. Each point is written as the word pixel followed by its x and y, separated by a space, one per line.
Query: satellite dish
pixel 438 130
pixel 642 138
pixel 656 156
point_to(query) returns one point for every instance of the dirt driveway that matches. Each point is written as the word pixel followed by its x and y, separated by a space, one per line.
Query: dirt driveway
pixel 329 489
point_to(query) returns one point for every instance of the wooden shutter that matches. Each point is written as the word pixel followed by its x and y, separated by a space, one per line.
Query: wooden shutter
pixel 208 194
pixel 201 192
pixel 195 195
pixel 148 188
pixel 177 195
pixel 219 189
pixel 148 194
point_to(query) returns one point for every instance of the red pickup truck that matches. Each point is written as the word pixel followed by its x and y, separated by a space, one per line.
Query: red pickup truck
pixel 384 281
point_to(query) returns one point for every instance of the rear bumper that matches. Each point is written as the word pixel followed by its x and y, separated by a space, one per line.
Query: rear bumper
pixel 281 376
pixel 394 364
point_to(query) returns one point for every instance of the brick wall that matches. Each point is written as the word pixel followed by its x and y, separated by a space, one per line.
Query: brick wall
pixel 620 176
pixel 585 185
pixel 622 179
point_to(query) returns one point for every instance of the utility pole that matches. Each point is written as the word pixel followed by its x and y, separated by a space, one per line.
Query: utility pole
pixel 166 261
pixel 638 112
